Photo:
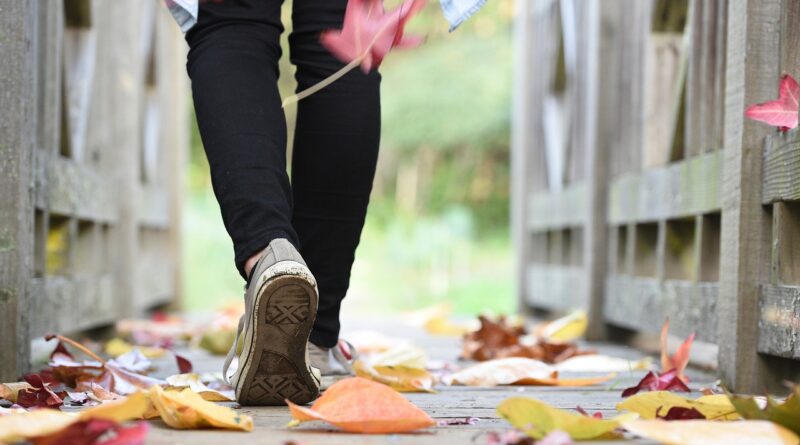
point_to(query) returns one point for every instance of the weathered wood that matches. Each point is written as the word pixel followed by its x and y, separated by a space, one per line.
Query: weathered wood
pixel 70 304
pixel 558 209
pixel 17 142
pixel 785 243
pixel 682 189
pixel 779 321
pixel 556 288
pixel 752 70
pixel 781 167
pixel 643 304
pixel 790 38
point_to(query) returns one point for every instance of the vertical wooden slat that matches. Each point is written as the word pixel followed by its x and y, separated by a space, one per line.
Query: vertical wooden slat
pixel 751 77
pixel 17 144
pixel 790 38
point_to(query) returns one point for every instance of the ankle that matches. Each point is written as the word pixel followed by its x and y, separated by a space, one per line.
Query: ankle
pixel 251 262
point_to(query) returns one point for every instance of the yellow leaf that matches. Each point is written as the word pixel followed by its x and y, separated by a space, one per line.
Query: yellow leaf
pixel 567 328
pixel 715 407
pixel 192 381
pixel 399 378
pixel 403 354
pixel 503 371
pixel 537 419
pixel 555 381
pixel 359 405
pixel 117 346
pixel 187 410
pixel 218 341
pixel 703 432
pixel 135 406
pixel 40 422
pixel 443 326
pixel 10 391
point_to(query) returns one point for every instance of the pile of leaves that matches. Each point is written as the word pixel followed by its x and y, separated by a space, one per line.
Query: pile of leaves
pixel 501 339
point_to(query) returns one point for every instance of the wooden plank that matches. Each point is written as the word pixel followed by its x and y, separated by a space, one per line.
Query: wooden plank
pixel 781 167
pixel 49 39
pixel 154 207
pixel 779 321
pixel 643 304
pixel 681 189
pixel 790 38
pixel 71 304
pixel 558 209
pixel 17 143
pixel 785 243
pixel 752 70
pixel 71 188
pixel 556 288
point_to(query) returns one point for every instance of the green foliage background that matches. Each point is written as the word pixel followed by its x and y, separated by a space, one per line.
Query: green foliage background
pixel 437 228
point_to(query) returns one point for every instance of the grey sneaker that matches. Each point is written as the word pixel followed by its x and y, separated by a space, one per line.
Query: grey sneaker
pixel 334 363
pixel 280 307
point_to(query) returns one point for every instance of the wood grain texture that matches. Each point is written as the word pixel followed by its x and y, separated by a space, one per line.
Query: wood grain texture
pixel 752 70
pixel 17 143
pixel 558 209
pixel 681 189
pixel 781 167
pixel 642 304
pixel 779 321
pixel 555 287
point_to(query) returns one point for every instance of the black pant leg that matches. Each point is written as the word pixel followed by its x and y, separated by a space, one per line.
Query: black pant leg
pixel 333 165
pixel 233 64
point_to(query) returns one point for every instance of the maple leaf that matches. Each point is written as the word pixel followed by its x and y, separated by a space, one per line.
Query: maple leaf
pixel 781 112
pixel 680 360
pixel 369 32
pixel 96 432
pixel 41 394
pixel 680 413
pixel 667 381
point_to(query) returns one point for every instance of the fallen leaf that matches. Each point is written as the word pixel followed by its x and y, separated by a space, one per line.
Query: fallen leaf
pixel 117 347
pixel 680 413
pixel 667 381
pixel 9 391
pixel 647 405
pixel 603 363
pixel 96 432
pixel 567 328
pixel 187 410
pixel 193 382
pixel 403 354
pixel 782 112
pixel 557 381
pixel 443 326
pixel 504 371
pixel 371 342
pixel 703 432
pixel 218 341
pixel 786 414
pixel 358 405
pixel 40 394
pixel 399 378
pixel 680 360
pixel 133 407
pixel 369 32
pixel 538 419
pixel 40 422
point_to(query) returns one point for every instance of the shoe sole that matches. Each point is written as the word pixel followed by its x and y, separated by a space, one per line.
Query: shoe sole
pixel 275 368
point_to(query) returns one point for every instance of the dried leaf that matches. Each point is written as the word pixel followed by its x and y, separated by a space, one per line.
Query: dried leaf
pixel 647 405
pixel 133 407
pixel 781 113
pixel 504 371
pixel 369 32
pixel 187 410
pixel 40 422
pixel 193 382
pixel 537 419
pixel 359 405
pixel 403 354
pixel 117 347
pixel 96 432
pixel 703 432
pixel 218 341
pixel 680 413
pixel 9 391
pixel 399 378
pixel 40 394
pixel 680 360
pixel 567 328
pixel 574 382
pixel 786 414
pixel 667 381
pixel 603 363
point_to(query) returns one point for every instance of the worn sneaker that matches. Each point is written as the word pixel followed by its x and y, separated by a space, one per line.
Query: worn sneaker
pixel 280 307
pixel 334 363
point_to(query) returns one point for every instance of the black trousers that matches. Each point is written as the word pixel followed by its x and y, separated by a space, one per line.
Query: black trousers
pixel 233 65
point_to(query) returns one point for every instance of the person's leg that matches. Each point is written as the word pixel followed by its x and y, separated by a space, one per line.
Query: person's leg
pixel 333 163
pixel 233 64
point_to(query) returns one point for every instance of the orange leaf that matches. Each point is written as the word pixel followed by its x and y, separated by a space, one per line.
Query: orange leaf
pixel 680 360
pixel 358 405
pixel 586 381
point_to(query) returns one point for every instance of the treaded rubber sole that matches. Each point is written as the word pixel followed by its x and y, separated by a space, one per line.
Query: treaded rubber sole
pixel 276 368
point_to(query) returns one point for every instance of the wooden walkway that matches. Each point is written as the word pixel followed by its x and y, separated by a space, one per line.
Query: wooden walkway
pixel 456 402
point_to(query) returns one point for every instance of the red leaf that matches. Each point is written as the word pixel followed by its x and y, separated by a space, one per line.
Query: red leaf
pixel 668 381
pixel 184 365
pixel 680 413
pixel 40 396
pixel 596 415
pixel 680 360
pixel 96 432
pixel 781 112
pixel 369 32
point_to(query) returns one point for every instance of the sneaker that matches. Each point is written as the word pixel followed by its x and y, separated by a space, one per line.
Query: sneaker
pixel 280 307
pixel 334 363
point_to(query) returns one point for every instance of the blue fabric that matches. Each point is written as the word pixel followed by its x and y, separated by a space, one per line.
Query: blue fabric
pixel 457 11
